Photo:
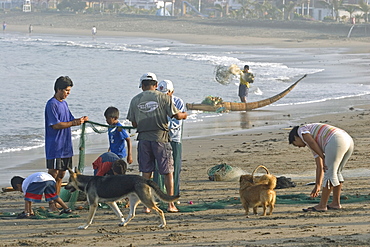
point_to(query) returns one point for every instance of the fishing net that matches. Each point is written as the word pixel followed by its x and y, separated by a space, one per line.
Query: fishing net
pixel 224 172
pixel 212 100
pixel 42 213
pixel 225 74
pixel 202 205
pixel 282 199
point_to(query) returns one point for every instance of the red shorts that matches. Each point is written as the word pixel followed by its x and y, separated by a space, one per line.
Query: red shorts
pixel 36 190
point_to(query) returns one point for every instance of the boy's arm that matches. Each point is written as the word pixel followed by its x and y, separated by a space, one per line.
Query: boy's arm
pixel 129 150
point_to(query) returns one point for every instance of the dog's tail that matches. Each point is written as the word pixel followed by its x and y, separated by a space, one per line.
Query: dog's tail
pixel 271 182
pixel 160 194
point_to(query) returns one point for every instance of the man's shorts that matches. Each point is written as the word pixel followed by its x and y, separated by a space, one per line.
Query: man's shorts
pixel 35 190
pixel 243 90
pixel 59 164
pixel 151 151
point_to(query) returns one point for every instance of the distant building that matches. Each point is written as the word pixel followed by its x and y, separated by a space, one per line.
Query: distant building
pixel 27 6
pixel 140 4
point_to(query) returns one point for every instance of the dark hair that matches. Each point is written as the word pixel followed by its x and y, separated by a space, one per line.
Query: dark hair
pixel 119 167
pixel 246 67
pixel 62 83
pixel 15 181
pixel 146 83
pixel 292 134
pixel 111 112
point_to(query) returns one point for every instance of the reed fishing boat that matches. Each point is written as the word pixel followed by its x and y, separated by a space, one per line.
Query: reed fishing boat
pixel 236 106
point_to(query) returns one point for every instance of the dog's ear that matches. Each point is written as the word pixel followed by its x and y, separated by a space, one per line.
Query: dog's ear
pixel 70 170
pixel 77 171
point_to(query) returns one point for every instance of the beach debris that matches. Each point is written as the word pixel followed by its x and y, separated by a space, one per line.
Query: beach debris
pixel 284 182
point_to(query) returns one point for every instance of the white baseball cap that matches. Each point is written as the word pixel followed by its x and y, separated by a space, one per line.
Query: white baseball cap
pixel 165 86
pixel 147 76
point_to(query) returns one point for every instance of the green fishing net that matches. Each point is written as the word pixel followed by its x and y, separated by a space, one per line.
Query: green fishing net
pixel 42 213
pixel 282 199
pixel 212 100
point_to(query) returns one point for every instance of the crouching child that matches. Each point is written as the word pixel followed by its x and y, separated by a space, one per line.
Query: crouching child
pixel 33 187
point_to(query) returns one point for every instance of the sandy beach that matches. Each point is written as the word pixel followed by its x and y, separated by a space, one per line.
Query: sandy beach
pixel 226 226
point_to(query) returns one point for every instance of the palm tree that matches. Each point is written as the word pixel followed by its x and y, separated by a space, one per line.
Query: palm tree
pixel 350 9
pixel 337 4
pixel 364 7
pixel 220 9
pixel 289 8
pixel 327 5
pixel 245 9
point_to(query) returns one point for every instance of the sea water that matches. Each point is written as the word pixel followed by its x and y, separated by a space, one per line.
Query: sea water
pixel 106 72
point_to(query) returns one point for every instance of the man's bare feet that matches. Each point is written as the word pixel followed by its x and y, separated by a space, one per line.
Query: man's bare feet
pixel 172 208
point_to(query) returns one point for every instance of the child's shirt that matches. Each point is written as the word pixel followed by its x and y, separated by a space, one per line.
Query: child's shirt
pixel 103 164
pixel 117 141
pixel 35 178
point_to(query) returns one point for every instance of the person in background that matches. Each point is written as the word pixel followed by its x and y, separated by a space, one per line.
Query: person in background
pixel 33 187
pixel 58 136
pixel 117 136
pixel 148 113
pixel 332 147
pixel 245 79
pixel 4 26
pixel 93 30
pixel 30 29
pixel 175 127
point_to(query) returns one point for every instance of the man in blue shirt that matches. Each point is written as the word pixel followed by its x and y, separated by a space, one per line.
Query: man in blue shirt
pixel 58 138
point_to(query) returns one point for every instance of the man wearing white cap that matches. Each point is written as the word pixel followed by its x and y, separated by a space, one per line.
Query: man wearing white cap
pixel 148 113
pixel 175 126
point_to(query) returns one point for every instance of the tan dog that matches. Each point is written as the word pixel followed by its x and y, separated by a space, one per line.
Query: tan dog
pixel 257 193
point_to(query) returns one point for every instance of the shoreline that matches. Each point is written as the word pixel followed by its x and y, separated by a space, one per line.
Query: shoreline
pixel 193 30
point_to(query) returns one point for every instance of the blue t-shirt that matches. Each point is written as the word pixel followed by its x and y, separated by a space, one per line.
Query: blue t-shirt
pixel 117 141
pixel 58 143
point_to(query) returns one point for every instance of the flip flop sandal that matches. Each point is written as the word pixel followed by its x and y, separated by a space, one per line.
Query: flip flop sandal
pixel 312 209
pixel 66 211
pixel 331 208
pixel 23 215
